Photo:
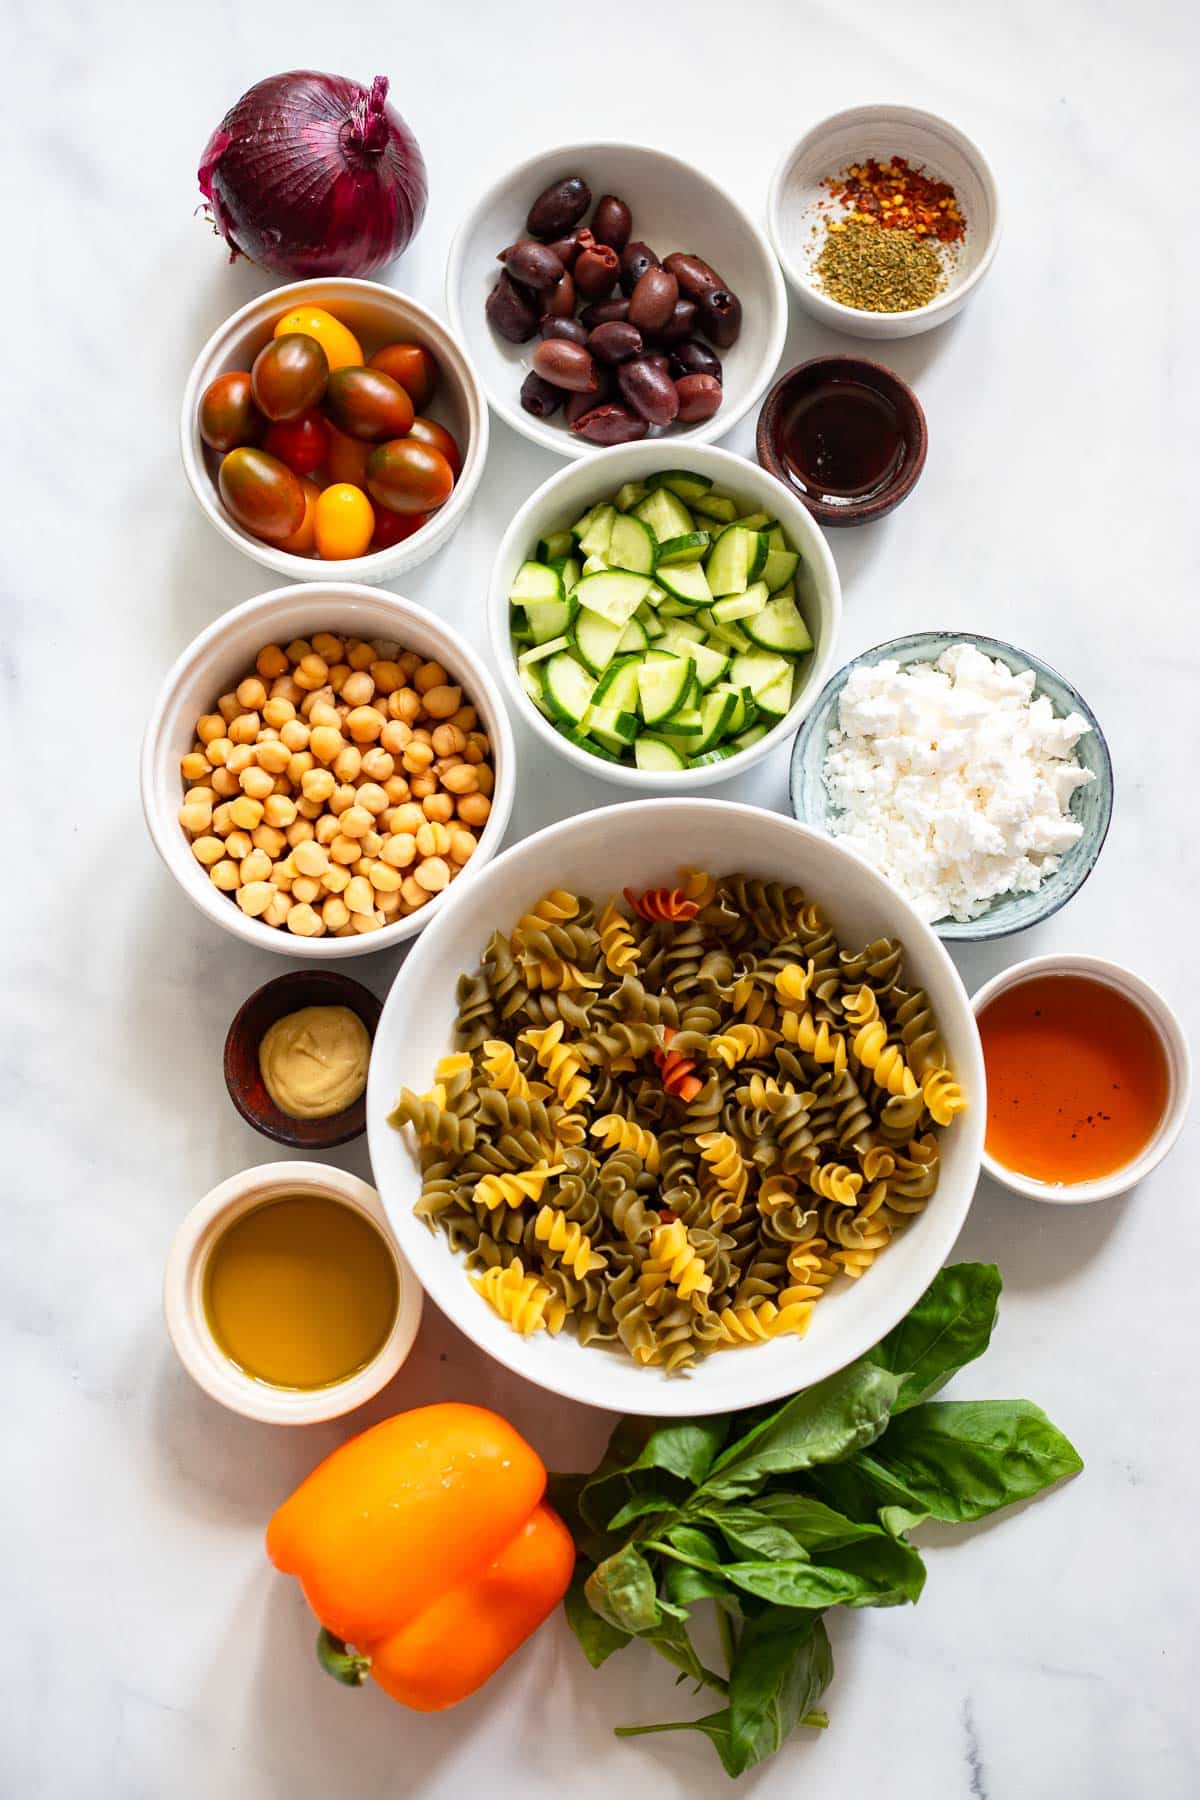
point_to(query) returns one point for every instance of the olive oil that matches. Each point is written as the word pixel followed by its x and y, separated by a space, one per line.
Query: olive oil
pixel 301 1292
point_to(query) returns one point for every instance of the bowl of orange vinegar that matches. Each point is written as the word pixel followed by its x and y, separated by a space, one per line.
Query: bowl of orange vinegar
pixel 1088 1078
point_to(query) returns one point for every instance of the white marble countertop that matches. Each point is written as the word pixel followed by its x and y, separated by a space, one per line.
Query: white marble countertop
pixel 149 1650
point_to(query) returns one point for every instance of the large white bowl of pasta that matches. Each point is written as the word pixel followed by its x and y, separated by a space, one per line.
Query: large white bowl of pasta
pixel 685 1163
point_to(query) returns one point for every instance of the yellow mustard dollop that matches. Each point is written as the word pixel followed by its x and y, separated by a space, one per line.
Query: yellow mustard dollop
pixel 314 1062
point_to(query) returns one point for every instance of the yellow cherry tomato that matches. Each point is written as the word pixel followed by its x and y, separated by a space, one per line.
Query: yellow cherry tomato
pixel 345 522
pixel 342 349
pixel 303 542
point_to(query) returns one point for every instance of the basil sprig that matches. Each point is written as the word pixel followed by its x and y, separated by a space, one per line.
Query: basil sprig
pixel 779 1514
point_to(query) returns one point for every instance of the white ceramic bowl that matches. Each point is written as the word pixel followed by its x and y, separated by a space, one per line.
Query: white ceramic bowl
pixel 881 131
pixel 639 844
pixel 1179 1075
pixel 377 315
pixel 221 655
pixel 674 207
pixel 566 496
pixel 183 1296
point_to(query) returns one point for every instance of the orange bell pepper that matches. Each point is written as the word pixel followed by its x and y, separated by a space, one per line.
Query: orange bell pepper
pixel 425 1550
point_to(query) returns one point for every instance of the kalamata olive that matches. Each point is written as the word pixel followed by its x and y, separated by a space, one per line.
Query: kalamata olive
pixel 262 493
pixel 699 397
pixel 606 389
pixel 574 330
pixel 511 311
pixel 288 375
pixel 567 365
pixel 649 390
pixel 695 277
pixel 653 299
pixel 658 359
pixel 609 424
pixel 695 358
pixel 366 403
pixel 636 258
pixel 567 249
pixel 719 316
pixel 534 264
pixel 228 415
pixel 615 342
pixel 602 312
pixel 612 222
pixel 560 301
pixel 541 398
pixel 595 272
pixel 680 325
pixel 558 208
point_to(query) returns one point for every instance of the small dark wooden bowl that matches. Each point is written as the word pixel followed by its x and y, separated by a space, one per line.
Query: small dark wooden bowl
pixel 287 994
pixel 870 374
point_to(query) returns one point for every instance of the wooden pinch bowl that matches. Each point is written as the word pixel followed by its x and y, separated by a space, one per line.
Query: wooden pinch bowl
pixel 243 1077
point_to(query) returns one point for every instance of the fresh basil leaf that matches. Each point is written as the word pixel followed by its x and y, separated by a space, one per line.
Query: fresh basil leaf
pixel 898 1521
pixel 836 1417
pixel 894 1570
pixel 685 1582
pixel 816 1526
pixel 691 1541
pixel 622 1590
pixel 783 1666
pixel 597 1638
pixel 683 1448
pixel 963 1459
pixel 639 1506
pixel 804 1585
pixel 950 1325
pixel 671 1640
pixel 715 1727
pixel 749 1532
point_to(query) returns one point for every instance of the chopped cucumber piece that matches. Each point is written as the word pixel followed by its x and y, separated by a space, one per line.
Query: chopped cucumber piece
pixel 780 567
pixel 779 626
pixel 581 525
pixel 612 593
pixel 541 652
pixel 776 699
pixel 665 514
pixel 651 624
pixel 569 689
pixel 616 730
pixel 535 581
pixel 632 545
pixel 633 638
pixel 686 582
pixel 710 664
pixel 758 521
pixel 724 633
pixel 617 688
pixel 570 568
pixel 716 710
pixel 558 543
pixel 596 640
pixel 669 608
pixel 680 629
pixel 684 483
pixel 593 565
pixel 629 495
pixel 756 669
pixel 686 549
pixel 663 687
pixel 786 592
pixel 594 540
pixel 750 737
pixel 549 618
pixel 721 754
pixel 582 741
pixel 717 506
pixel 531 680
pixel 741 606
pixel 775 537
pixel 656 756
pixel 743 711
pixel 736 560
pixel 686 723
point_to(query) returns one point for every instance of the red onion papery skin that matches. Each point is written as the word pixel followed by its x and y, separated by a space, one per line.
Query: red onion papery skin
pixel 313 174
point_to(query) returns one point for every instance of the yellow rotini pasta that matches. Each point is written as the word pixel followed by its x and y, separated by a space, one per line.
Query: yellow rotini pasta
pixel 834 1181
pixel 563 1066
pixel 523 1301
pixel 793 982
pixel 943 1096
pixel 618 945
pixel 618 1133
pixel 814 1037
pixel 885 1061
pixel 755 1324
pixel 672 1260
pixel 697 885
pixel 515 1187
pixel 740 1042
pixel 723 1157
pixel 860 1007
pixel 564 1238
pixel 558 907
pixel 498 1060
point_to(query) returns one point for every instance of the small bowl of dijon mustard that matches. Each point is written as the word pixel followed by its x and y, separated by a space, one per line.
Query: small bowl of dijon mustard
pixel 296 1058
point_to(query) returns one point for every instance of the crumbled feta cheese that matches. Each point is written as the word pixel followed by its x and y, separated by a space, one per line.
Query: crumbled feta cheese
pixel 953 780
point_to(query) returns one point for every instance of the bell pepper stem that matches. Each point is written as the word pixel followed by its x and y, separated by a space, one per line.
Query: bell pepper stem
pixel 348 1666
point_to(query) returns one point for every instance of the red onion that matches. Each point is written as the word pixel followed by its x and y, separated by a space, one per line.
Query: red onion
pixel 313 174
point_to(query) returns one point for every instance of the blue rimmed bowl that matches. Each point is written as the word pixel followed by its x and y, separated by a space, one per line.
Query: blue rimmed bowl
pixel 1091 804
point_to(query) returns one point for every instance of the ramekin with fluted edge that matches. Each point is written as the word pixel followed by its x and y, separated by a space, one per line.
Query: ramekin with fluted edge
pixel 674 207
pixel 183 1296
pixel 379 315
pixel 1169 1033
pixel 222 654
pixel 567 495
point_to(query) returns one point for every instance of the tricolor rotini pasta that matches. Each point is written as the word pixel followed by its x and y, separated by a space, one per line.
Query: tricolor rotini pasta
pixel 675 1124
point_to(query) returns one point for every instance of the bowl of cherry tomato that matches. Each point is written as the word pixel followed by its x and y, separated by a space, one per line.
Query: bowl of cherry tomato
pixel 334 421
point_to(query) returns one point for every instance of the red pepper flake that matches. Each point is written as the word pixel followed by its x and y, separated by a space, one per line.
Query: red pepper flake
pixel 900 198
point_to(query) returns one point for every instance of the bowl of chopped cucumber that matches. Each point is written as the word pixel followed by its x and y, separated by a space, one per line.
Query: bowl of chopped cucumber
pixel 664 614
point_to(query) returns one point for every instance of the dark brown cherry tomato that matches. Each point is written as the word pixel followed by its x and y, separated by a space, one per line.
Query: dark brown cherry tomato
pixel 289 375
pixel 428 431
pixel 393 527
pixel 346 459
pixel 261 493
pixel 409 476
pixel 228 415
pixel 366 403
pixel 413 366
pixel 303 443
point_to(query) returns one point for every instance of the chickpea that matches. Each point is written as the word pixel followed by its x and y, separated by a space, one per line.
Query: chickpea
pixel 438 807
pixel 466 718
pixel 344 850
pixel 224 875
pixel 317 784
pixel 294 735
pixel 311 672
pixel 196 816
pixel 195 766
pixel 461 779
pixel 325 644
pixel 429 675
pixel 387 676
pixel 473 809
pixel 298 649
pixel 224 783
pixel 223 820
pixel 310 809
pixel 409 663
pixel 358 688
pixel 423 787
pixel 210 726
pixel 338 675
pixel 355 821
pixel 396 736
pixel 326 742
pixel 365 723
pixel 383 878
pixel 274 758
pixel 433 874
pixel 238 844
pixel 279 810
pixel 341 799
pixel 334 913
pixel 359 655
pixel 299 765
pixel 485 779
pixel 413 894
pixel 306 889
pixel 216 750
pixel 397 789
pixel 242 756
pixel 389 904
pixel 448 740
pixel 303 921
pixel 399 851
pixel 416 759
pixel 271 662
pixel 443 702
pixel 372 797
pixel 423 735
pixel 299 832
pixel 278 713
pixel 265 837
pixel 363 922
pixel 359 896
pixel 311 858
pixel 408 818
pixel 433 839
pixel 254 867
pixel 462 846
pixel 251 694
pixel 257 783
pixel 277 910
pixel 377 765
pixel 246 812
pixel 347 764
pixel 404 705
pixel 336 879
pixel 283 875
pixel 326 829
pixel 322 713
pixel 285 689
pixel 208 850
pixel 245 728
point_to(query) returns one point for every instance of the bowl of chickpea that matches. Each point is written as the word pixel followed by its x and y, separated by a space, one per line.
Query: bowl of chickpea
pixel 321 766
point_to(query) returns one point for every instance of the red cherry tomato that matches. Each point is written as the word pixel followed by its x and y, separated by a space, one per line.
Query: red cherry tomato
pixel 428 431
pixel 412 366
pixel 303 443
pixel 393 527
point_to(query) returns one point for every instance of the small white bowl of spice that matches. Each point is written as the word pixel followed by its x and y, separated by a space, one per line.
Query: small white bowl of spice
pixel 885 219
